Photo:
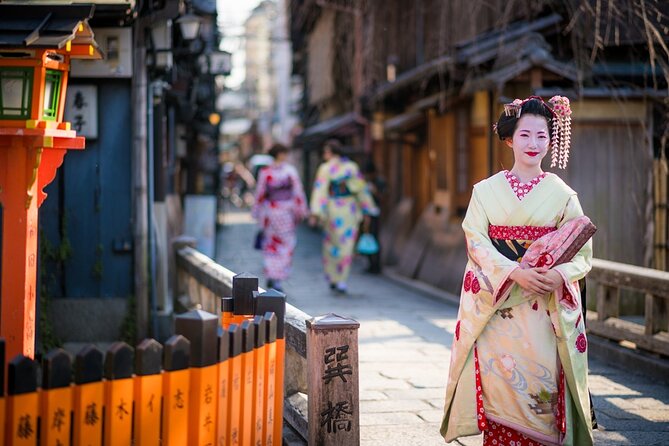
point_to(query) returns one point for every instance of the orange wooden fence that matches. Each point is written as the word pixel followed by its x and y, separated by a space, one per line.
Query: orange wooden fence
pixel 215 382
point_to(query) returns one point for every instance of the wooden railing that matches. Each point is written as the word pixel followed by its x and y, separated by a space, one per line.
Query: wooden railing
pixel 606 321
pixel 320 392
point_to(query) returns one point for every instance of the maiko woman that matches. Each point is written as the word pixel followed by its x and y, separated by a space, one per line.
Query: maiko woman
pixel 518 370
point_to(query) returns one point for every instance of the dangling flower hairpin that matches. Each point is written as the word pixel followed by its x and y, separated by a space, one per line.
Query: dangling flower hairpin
pixel 561 138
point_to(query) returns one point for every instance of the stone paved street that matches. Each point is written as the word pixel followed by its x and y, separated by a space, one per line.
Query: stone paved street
pixel 404 339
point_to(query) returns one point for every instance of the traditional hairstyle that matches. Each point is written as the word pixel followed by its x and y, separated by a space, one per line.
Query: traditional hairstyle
pixel 334 145
pixel 557 113
pixel 277 149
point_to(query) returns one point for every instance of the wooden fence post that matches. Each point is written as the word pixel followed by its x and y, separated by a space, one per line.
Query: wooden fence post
pixel 243 287
pixel 227 311
pixel 233 416
pixel 119 394
pixel 201 329
pixel 275 302
pixel 88 397
pixel 332 374
pixel 258 378
pixel 176 388
pixel 608 301
pixel 180 283
pixel 656 314
pixel 22 402
pixel 148 392
pixel 56 398
pixel 247 383
pixel 270 378
pixel 223 376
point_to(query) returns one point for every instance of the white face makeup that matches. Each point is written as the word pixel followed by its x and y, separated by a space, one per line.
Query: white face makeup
pixel 530 141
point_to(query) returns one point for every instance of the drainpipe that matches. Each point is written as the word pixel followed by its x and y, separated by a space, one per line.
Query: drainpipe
pixel 139 182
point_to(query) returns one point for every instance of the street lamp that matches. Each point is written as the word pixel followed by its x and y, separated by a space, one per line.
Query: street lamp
pixel 189 24
pixel 215 63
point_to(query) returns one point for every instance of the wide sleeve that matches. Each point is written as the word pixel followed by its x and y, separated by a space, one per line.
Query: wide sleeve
pixel 360 188
pixel 260 195
pixel 299 199
pixel 492 266
pixel 581 264
pixel 319 194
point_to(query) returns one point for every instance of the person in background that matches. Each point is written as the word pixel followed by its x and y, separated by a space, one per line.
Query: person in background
pixel 519 365
pixel 339 200
pixel 376 185
pixel 279 206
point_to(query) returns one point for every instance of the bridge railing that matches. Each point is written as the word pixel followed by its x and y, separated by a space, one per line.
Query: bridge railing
pixel 607 321
pixel 319 397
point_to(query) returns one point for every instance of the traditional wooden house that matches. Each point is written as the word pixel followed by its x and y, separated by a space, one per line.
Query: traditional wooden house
pixel 435 77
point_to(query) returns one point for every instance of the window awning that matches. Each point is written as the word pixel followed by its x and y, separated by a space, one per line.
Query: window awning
pixel 341 125
pixel 404 121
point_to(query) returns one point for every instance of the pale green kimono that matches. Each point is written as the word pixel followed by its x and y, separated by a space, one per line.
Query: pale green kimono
pixel 522 339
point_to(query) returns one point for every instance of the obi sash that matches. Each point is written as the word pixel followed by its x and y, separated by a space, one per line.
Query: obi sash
pixel 339 188
pixel 512 241
pixel 280 192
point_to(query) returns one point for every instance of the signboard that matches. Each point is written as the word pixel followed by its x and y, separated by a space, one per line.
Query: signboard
pixel 81 109
pixel 116 45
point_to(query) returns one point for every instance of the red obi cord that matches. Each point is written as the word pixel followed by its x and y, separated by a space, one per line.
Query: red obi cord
pixel 518 232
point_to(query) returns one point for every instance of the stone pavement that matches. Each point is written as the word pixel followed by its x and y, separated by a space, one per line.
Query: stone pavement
pixel 404 342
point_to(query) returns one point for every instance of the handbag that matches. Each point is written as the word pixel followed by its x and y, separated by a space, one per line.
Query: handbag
pixel 259 239
pixel 367 245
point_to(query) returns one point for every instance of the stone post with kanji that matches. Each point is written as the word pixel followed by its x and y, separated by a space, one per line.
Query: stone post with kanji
pixel 332 376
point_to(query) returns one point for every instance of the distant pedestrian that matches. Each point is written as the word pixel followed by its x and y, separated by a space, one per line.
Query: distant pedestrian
pixel 376 186
pixel 279 206
pixel 339 200
pixel 519 369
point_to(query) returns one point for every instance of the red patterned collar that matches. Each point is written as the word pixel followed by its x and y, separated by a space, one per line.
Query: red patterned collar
pixel 522 189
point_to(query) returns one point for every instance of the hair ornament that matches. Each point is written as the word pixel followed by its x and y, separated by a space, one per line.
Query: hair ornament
pixel 513 108
pixel 561 138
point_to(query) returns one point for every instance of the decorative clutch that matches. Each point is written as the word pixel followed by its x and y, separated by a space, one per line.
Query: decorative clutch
pixel 559 246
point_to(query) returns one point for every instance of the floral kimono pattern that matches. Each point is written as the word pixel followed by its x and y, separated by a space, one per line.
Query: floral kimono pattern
pixel 280 205
pixel 339 199
pixel 518 359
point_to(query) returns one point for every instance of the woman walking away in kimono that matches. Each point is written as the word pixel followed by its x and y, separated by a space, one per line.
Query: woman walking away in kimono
pixel 339 200
pixel 518 370
pixel 280 205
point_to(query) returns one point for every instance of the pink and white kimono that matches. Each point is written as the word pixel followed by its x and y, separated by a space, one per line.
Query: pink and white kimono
pixel 280 205
pixel 518 359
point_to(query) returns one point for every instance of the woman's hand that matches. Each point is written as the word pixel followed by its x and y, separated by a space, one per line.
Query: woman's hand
pixel 313 220
pixel 556 280
pixel 534 280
